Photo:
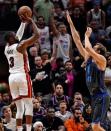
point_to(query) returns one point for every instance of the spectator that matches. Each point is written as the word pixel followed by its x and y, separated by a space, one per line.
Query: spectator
pixel 51 122
pixel 43 8
pixel 38 111
pixel 44 39
pixel 38 126
pixel 59 14
pixel 76 123
pixel 41 77
pixel 45 57
pixel 78 101
pixel 58 2
pixel 97 15
pixel 62 42
pixel 58 96
pixel 9 122
pixel 68 79
pixel 63 113
pixel 33 52
pixel 103 38
pixel 6 98
pixel 87 113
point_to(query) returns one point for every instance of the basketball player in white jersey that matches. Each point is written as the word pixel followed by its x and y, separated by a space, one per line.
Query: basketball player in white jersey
pixel 19 79
pixel 62 42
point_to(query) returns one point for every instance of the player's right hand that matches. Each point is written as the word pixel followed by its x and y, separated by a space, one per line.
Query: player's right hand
pixel 24 18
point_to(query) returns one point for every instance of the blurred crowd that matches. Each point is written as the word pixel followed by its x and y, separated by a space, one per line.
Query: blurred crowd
pixel 61 100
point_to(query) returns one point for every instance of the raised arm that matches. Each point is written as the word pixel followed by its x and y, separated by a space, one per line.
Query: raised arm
pixel 28 42
pixel 20 31
pixel 76 37
pixel 94 53
pixel 53 27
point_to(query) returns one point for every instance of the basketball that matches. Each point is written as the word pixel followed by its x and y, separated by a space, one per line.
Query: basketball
pixel 23 10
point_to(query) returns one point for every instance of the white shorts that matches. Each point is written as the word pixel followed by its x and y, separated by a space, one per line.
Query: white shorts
pixel 20 85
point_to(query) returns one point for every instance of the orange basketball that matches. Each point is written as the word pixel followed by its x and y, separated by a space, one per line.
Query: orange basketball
pixel 23 10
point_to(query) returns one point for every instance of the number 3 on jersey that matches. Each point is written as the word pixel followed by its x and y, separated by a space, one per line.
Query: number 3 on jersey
pixel 11 64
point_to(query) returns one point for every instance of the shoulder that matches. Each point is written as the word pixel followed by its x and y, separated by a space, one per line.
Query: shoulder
pixel 57 113
pixel 69 121
pixel 58 120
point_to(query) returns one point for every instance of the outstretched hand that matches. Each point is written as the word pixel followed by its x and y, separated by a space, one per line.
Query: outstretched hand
pixel 68 17
pixel 88 31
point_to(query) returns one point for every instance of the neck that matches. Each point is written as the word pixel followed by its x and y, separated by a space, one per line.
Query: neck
pixel 50 119
pixel 96 11
pixel 41 26
pixel 59 96
pixel 69 71
pixel 8 119
pixel 39 67
pixel 63 112
pixel 63 33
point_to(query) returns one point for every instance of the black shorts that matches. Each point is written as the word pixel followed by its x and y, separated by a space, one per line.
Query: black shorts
pixel 100 105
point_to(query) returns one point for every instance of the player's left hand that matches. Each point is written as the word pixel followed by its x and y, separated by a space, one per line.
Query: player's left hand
pixel 68 17
pixel 88 31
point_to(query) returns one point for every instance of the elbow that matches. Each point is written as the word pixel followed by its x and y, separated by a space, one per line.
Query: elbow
pixel 87 48
pixel 37 35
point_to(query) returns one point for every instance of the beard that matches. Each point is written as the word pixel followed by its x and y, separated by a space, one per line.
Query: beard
pixel 77 119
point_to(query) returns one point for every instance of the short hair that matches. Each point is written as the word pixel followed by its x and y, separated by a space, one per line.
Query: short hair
pixel 60 23
pixel 50 107
pixel 37 123
pixel 102 49
pixel 68 61
pixel 77 93
pixel 58 83
pixel 62 101
pixel 40 17
pixel 75 108
pixel 4 108
pixel 8 35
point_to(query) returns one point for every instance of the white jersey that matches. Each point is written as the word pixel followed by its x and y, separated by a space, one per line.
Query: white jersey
pixel 44 39
pixel 18 62
pixel 62 43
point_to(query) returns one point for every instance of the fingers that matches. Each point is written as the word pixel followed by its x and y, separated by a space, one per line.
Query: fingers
pixel 89 29
pixel 68 16
pixel 67 12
